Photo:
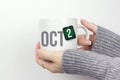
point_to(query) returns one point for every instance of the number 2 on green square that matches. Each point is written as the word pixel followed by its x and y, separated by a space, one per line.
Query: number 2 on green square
pixel 69 33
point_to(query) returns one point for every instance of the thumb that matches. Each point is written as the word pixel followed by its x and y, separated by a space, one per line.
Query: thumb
pixel 90 26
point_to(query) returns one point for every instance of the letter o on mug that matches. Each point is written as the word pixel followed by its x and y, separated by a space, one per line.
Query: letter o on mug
pixel 44 38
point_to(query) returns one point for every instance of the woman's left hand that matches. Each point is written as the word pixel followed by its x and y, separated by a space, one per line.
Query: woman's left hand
pixel 51 60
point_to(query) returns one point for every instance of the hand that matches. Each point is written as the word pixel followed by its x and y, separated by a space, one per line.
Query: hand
pixel 87 44
pixel 51 60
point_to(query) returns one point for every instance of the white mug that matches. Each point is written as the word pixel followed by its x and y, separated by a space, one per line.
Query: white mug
pixel 59 34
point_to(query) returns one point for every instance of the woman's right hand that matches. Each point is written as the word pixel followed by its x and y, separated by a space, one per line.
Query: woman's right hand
pixel 87 44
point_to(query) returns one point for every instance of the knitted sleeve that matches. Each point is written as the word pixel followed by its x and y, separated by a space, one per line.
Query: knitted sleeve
pixel 106 42
pixel 91 64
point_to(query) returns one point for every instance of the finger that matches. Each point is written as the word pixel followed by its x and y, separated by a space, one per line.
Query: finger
pixel 49 66
pixel 46 55
pixel 38 59
pixel 82 48
pixel 45 64
pixel 37 55
pixel 91 26
pixel 84 42
pixel 91 38
pixel 81 36
pixel 37 46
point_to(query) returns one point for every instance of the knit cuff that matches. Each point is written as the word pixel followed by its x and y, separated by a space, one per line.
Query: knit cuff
pixel 106 42
pixel 85 63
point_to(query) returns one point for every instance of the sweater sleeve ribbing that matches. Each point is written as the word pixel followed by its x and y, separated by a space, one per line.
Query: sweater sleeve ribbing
pixel 89 63
pixel 106 42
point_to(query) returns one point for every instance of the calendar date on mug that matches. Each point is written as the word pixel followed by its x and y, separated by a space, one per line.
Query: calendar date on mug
pixel 48 38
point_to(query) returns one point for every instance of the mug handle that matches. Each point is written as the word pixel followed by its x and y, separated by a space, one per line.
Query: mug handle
pixel 86 32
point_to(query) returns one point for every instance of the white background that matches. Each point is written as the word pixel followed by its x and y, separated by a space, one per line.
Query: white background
pixel 19 32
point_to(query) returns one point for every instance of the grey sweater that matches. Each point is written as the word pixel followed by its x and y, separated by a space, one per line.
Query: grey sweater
pixel 102 62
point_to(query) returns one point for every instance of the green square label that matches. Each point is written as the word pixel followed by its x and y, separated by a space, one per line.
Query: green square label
pixel 69 33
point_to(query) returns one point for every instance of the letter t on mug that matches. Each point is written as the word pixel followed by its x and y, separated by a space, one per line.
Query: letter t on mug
pixel 59 34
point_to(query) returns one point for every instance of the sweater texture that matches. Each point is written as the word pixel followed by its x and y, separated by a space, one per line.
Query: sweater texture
pixel 102 62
